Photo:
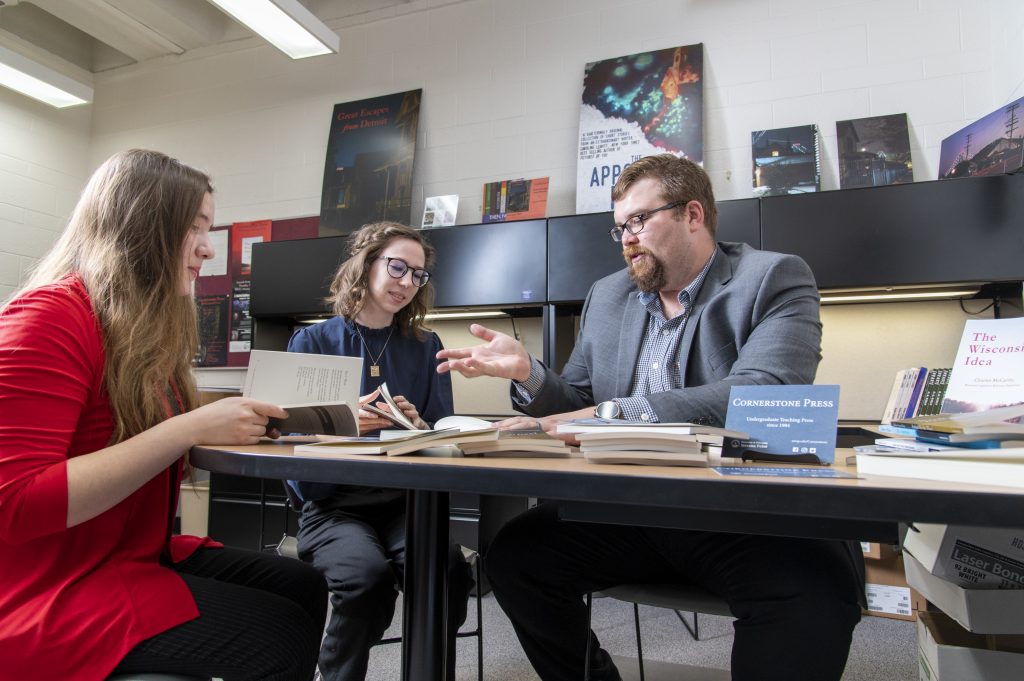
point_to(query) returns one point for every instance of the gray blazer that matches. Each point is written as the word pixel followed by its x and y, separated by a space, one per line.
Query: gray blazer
pixel 755 321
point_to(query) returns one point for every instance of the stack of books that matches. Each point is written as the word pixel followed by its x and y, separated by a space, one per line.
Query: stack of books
pixel 524 442
pixel 984 447
pixel 916 392
pixel 978 437
pixel 658 444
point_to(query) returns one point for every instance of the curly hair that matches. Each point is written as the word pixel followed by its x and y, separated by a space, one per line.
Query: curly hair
pixel 351 282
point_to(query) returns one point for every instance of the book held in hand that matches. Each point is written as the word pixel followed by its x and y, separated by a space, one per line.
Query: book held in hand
pixel 395 416
pixel 319 392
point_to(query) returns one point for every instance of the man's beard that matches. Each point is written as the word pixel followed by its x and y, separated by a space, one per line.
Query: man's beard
pixel 647 273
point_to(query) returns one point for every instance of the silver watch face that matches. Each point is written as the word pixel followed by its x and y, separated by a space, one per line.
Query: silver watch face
pixel 608 410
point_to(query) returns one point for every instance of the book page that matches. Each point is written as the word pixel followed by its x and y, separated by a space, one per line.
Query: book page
pixel 299 378
pixel 323 419
pixel 396 416
pixel 463 423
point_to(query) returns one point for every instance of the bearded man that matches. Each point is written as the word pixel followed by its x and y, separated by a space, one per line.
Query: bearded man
pixel 664 340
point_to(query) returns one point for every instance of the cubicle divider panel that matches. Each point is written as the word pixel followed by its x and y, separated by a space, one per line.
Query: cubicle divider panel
pixel 739 220
pixel 581 251
pixel 939 232
pixel 492 265
pixel 292 278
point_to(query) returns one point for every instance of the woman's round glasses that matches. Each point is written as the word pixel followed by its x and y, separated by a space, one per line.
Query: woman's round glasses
pixel 398 267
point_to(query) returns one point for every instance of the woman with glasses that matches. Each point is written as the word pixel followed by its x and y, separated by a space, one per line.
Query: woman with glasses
pixel 355 536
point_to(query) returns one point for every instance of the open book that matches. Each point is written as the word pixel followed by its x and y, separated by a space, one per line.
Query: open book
pixel 319 392
pixel 473 436
pixel 395 415
pixel 398 442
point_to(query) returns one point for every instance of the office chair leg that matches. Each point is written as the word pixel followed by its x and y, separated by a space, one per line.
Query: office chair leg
pixel 694 630
pixel 479 626
pixel 639 645
pixel 479 631
pixel 586 659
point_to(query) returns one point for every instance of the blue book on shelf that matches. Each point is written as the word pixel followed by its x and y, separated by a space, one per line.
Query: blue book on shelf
pixel 897 430
pixel 915 394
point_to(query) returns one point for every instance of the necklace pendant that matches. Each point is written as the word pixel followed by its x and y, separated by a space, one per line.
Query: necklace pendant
pixel 374 371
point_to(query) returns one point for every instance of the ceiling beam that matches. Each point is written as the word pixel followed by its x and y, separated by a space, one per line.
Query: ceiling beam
pixel 188 23
pixel 111 25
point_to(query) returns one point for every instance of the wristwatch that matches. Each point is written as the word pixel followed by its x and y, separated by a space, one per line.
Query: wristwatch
pixel 609 409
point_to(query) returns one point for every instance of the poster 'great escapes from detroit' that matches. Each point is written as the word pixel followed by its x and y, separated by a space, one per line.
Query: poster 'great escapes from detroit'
pixel 368 169
pixel 636 106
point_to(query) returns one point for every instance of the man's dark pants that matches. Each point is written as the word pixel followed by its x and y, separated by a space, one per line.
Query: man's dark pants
pixel 796 600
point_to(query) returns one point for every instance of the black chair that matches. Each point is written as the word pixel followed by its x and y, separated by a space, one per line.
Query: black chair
pixel 155 677
pixel 677 597
pixel 288 546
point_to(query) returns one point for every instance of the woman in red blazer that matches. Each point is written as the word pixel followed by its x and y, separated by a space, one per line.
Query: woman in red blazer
pixel 97 414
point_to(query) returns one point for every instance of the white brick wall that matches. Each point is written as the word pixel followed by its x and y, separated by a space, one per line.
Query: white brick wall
pixel 43 165
pixel 501 84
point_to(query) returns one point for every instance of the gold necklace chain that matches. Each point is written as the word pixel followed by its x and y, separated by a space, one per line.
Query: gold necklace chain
pixel 374 362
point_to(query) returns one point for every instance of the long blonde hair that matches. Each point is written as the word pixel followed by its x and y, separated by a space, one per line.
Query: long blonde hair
pixel 352 280
pixel 125 240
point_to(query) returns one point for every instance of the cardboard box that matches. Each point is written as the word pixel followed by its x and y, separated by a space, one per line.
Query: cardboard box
pixel 983 611
pixel 973 557
pixel 887 591
pixel 947 652
pixel 875 551
pixel 195 508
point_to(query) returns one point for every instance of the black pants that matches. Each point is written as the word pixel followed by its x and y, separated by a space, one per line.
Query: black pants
pixel 361 552
pixel 260 618
pixel 795 600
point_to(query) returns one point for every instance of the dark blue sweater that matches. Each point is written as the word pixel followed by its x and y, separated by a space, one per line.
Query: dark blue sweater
pixel 407 365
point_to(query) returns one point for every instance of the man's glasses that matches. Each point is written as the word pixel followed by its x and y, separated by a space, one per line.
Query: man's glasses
pixel 636 224
pixel 398 267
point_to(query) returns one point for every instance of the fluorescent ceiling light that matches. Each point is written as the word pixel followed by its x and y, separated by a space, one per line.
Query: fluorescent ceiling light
pixel 430 316
pixel 286 24
pixel 897 295
pixel 479 314
pixel 31 78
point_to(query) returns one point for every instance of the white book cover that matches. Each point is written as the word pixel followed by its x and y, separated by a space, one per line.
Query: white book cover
pixel 299 378
pixel 989 367
pixel 320 392
pixel 440 211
